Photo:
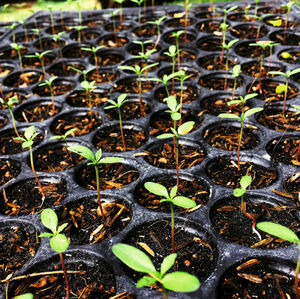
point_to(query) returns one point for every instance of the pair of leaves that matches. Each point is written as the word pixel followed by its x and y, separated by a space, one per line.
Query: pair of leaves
pixel 245 182
pixel 117 104
pixel 29 134
pixel 243 115
pixel 183 129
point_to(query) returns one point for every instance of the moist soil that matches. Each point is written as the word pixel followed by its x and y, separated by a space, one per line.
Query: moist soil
pixel 79 98
pixel 248 32
pixel 102 76
pixel 292 187
pixel 113 41
pixel 108 59
pixel 215 83
pixel 253 69
pixel 213 63
pixel 9 169
pixel 245 50
pixel 185 56
pixel 64 69
pixel 23 80
pixel 132 86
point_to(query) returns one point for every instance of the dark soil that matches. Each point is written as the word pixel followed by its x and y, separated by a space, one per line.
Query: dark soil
pixel 9 169
pixel 132 86
pixel 79 99
pixel 23 80
pixel 245 50
pixel 85 35
pixel 113 41
pixel 295 57
pixel 117 27
pixel 186 56
pixel 184 39
pixel 35 62
pixel 145 31
pixel 59 87
pixel 292 187
pixel 102 76
pixel 64 69
pixel 210 45
pixel 3 120
pixel 213 63
pixel 215 83
pixel 179 22
pixel 208 27
pixel 20 95
pixel 253 69
pixel 75 51
pixel 290 38
pixel 108 59
pixel 248 31
pixel 49 44
pixel 5 69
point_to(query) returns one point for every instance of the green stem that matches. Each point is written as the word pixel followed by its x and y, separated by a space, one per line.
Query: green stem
pixel 140 95
pixel 172 226
pixel 297 279
pixel 226 69
pixel 121 130
pixel 234 87
pixel 20 60
pixel 239 144
pixel 91 108
pixel 98 191
pixel 14 122
pixel 285 95
pixel 165 295
pixel 34 173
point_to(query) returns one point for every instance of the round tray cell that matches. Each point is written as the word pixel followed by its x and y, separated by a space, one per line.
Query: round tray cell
pixel 184 39
pixel 59 86
pixel 10 146
pixel 290 55
pixel 34 62
pixel 25 38
pixel 290 38
pixel 21 96
pixel 248 31
pixel 111 176
pixel 234 223
pixel 211 44
pixel 196 251
pixel 145 31
pixel 292 186
pixel 58 28
pixel 109 139
pixel 130 110
pixel 141 64
pixel 187 55
pixel 9 53
pixel 117 26
pixel 75 50
pixel 131 85
pixel 55 157
pixel 112 41
pixel 162 155
pixel 18 244
pixel 217 104
pixel 188 70
pixel 192 187
pixel 36 111
pixel 23 79
pixel 83 121
pixel 85 223
pixel 94 21
pixel 245 50
pixel 6 68
pixel 37 25
pixel 134 48
pixel 217 81
pixel 101 76
pixel 224 171
pixel 78 98
pixel 253 69
pixel 179 22
pixel 161 121
pixel 272 118
pixel 268 88
pixel 225 135
pixel 190 93
pixel 64 69
pixel 240 17
pixel 9 169
pixel 107 58
pixel 272 9
pixel 3 120
pixel 285 149
pixel 90 275
pixel 48 43
pixel 25 198
pixel 86 34
pixel 209 15
pixel 213 62
pixel 208 26
pixel 258 278
pixel 290 24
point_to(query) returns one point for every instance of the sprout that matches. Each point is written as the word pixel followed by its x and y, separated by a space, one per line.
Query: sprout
pixel 157 23
pixel 88 87
pixel 49 83
pixel 9 105
pixel 18 49
pixel 40 57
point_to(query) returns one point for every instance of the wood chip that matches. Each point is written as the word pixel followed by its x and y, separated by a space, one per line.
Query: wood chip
pixel 147 248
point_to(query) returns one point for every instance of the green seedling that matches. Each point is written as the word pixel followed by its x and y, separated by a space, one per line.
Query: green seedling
pixel 172 53
pixel 284 88
pixel 139 3
pixel 286 234
pixel 40 57
pixel 143 43
pixel 113 13
pixel 49 84
pixel 117 105
pixel 144 58
pixel 96 161
pixel 38 32
pixel 50 8
pixel 79 29
pixel 27 142
pixel 94 50
pixel 288 7
pixel 12 28
pixel 58 242
pixel 256 7
pixel 241 118
pixel 139 71
pixel 82 72
pixel 187 6
pixel 157 23
pixel 177 35
pixel 18 48
pixel 120 2
pixel 140 262
pixel 24 296
pixel 297 107
pixel 57 41
pixel 246 10
pixel 172 199
pixel 236 71
pixel 23 23
pixel 88 87
pixel 223 27
pixel 9 105
pixel 260 22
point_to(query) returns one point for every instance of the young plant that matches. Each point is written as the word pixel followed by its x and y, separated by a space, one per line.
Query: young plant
pixel 49 83
pixel 139 71
pixel 58 242
pixel 27 142
pixel 38 32
pixel 117 105
pixel 260 22
pixel 113 13
pixel 142 44
pixel 144 57
pixel 82 72
pixel 172 53
pixel 120 2
pixel 23 22
pixel 88 87
pixel 286 234
pixel 187 6
pixel 157 23
pixel 223 27
pixel 12 28
pixel 79 29
pixel 172 199
pixel 94 50
pixel 241 118
pixel 96 161
pixel 57 41
pixel 139 3
pixel 177 35
pixel 288 7
pixel 297 107
pixel 236 70
pixel 9 105
pixel 140 262
pixel 18 48
pixel 50 8
pixel 40 57
pixel 284 88
pixel 245 182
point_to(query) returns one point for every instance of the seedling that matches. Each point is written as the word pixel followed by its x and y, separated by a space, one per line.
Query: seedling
pixel 18 49
pixel 77 2
pixel 172 53
pixel 94 50
pixel 40 57
pixel 284 88
pixel 9 105
pixel 139 71
pixel 50 8
pixel 297 107
pixel 58 242
pixel 260 22
pixel 57 40
pixel 96 161
pixel 88 87
pixel 177 35
pixel 223 27
pixel 241 118
pixel 157 23
pixel 79 29
pixel 142 44
pixel 25 29
pixel 140 262
pixel 288 7
pixel 113 13
pixel 120 2
pixel 172 199
pixel 286 234
pixel 117 105
pixel 12 28
pixel 27 142
pixel 38 31
pixel 139 3
pixel 82 72
pixel 187 6
pixel 49 83
pixel 236 70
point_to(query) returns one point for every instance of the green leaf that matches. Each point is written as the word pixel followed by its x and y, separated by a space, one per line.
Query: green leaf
pixel 280 88
pixel 134 258
pixel 238 192
pixel 83 151
pixel 24 296
pixel 276 73
pixel 98 155
pixel 250 96
pixel 29 132
pixel 49 219
pixel 275 23
pixel 236 70
pixel 69 132
pixel 252 111
pixel 183 202
pixel 176 116
pixel 121 98
pixel 228 115
pixel 232 42
pixel 245 181
pixel 234 102
pixel 62 227
pixel 185 127
pixel 297 107
pixel 286 55
pixel 145 281
pixel 46 235
pixel 167 263
pixel 164 136
pixel 173 192
pixel 110 160
pixel 55 137
pixel 172 103
pixel 278 231
pixel 27 144
pixel 295 71
pixel 157 189
pixel 110 107
pixel 181 282
pixel 59 243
